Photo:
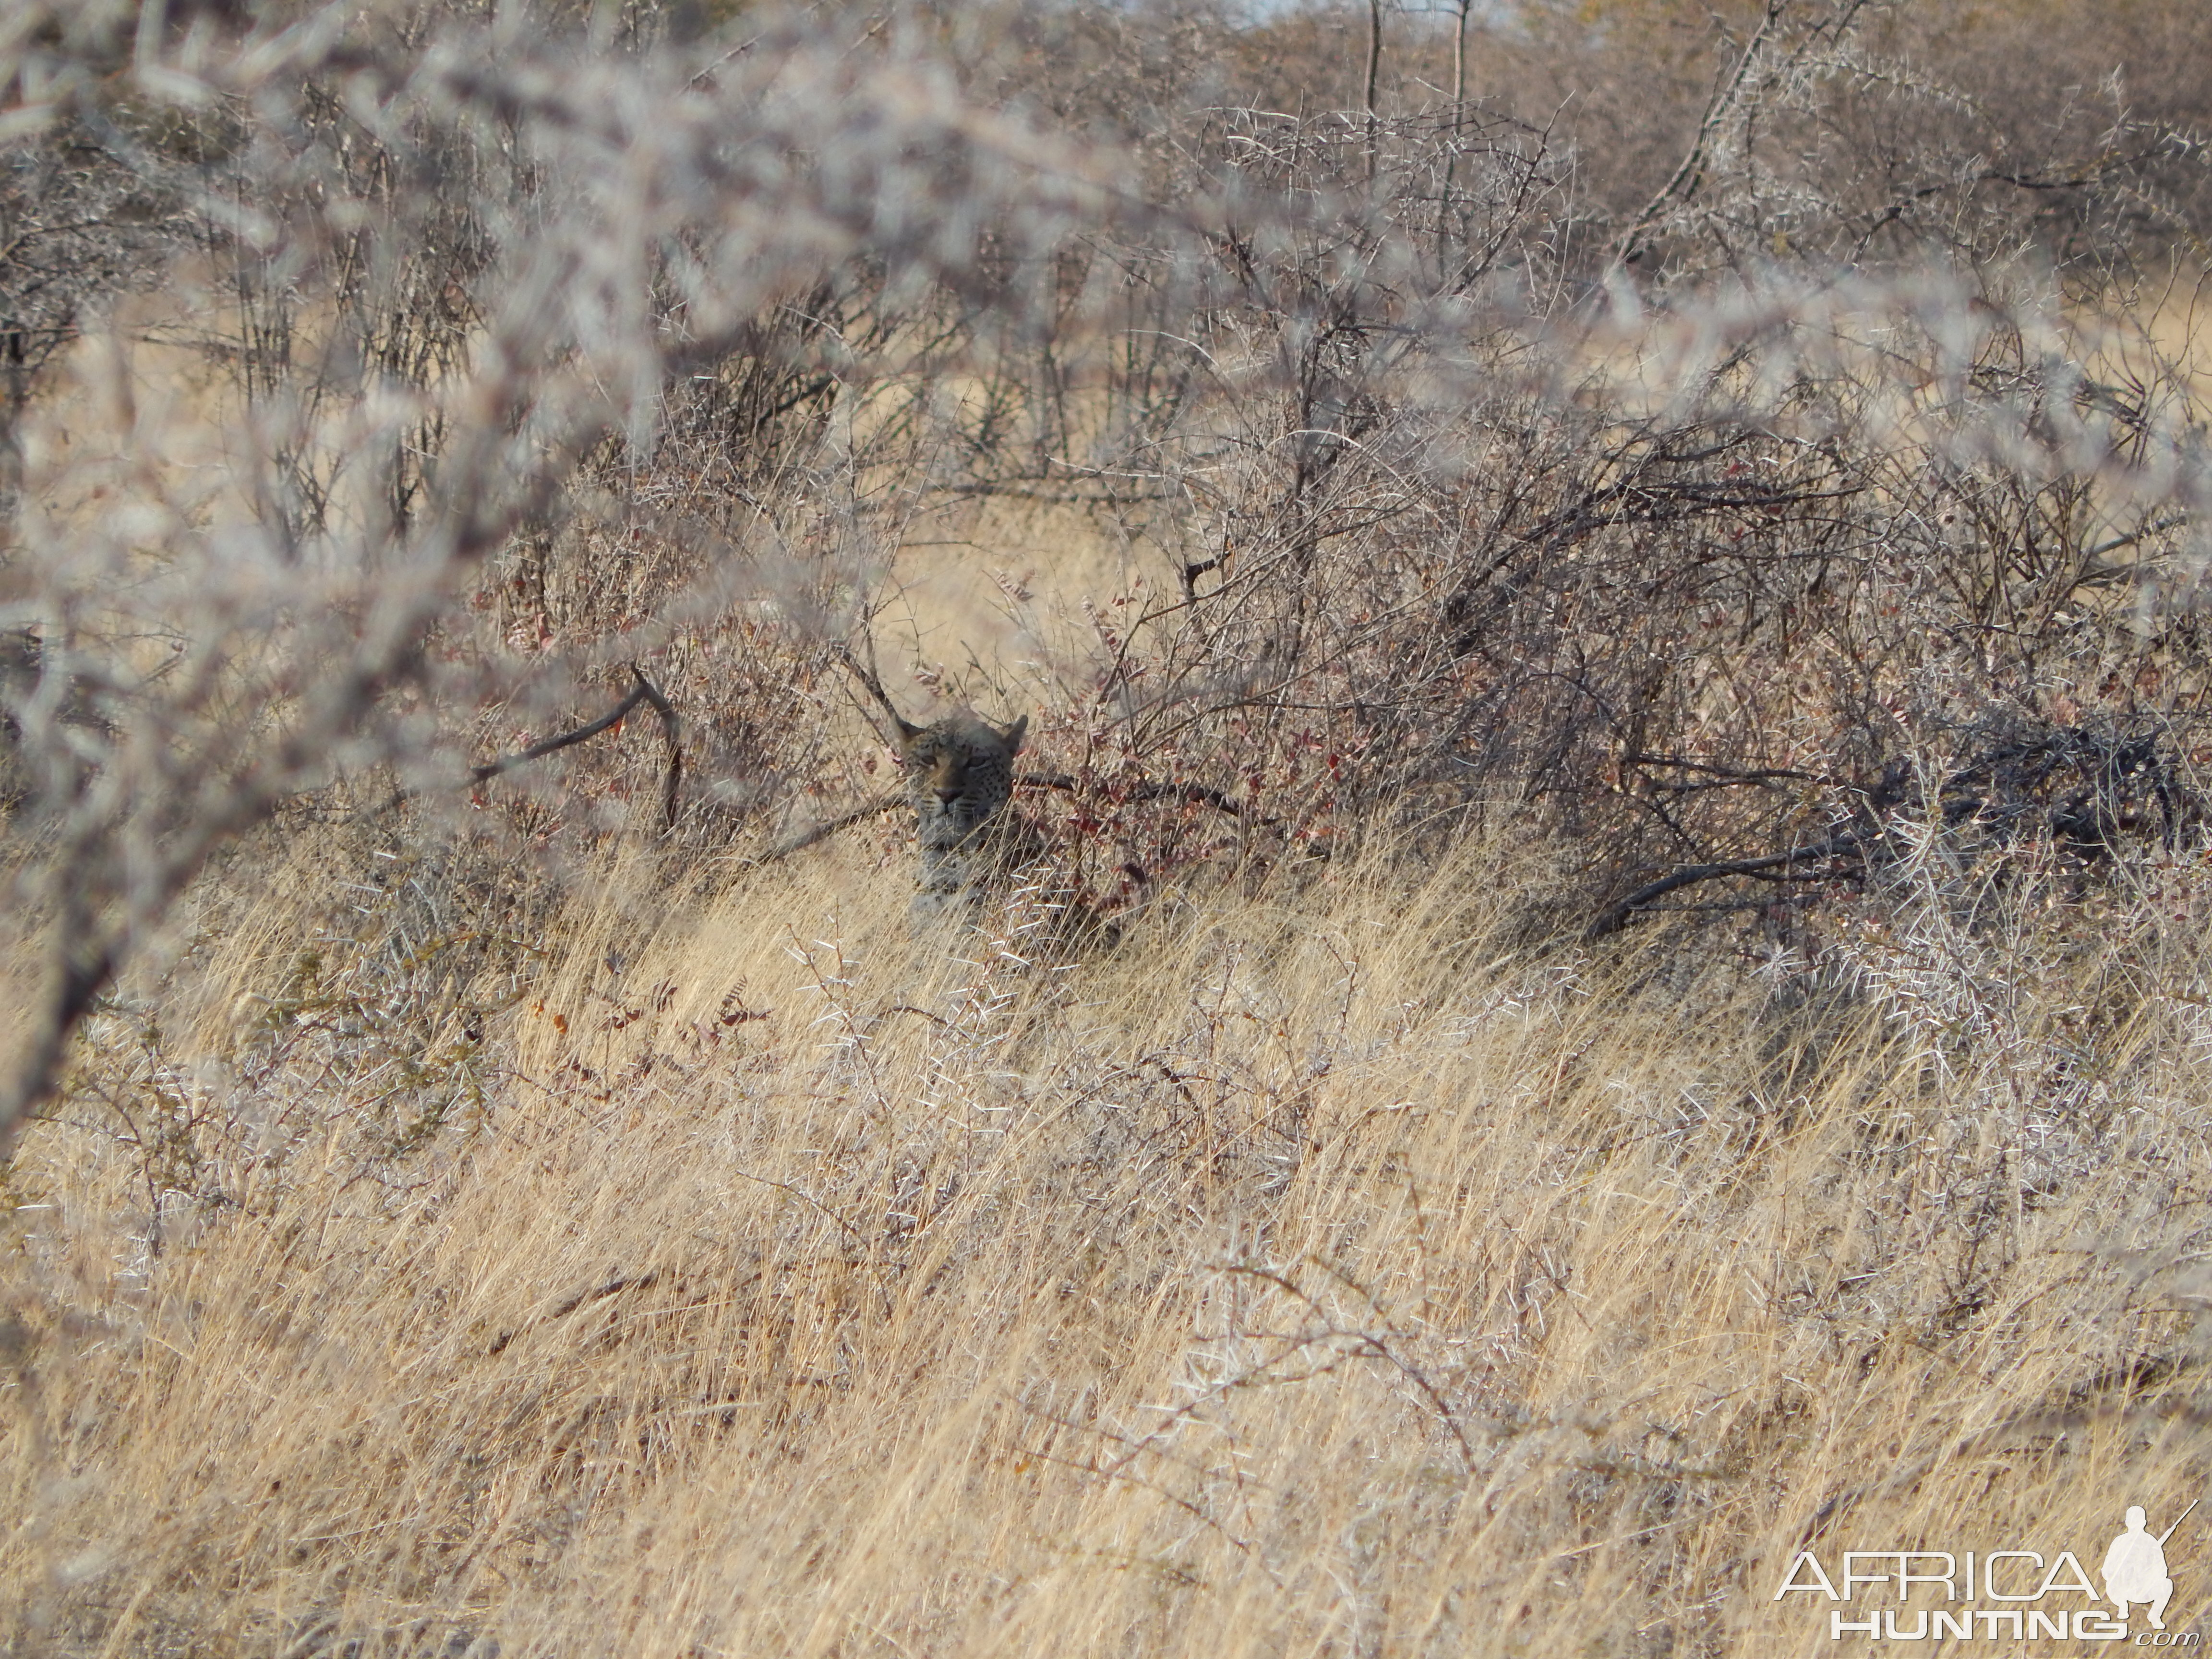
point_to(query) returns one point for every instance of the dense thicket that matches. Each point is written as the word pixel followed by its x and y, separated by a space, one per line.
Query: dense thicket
pixel 1730 445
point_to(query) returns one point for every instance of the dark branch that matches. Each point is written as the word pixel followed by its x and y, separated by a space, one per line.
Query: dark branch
pixel 1617 915
pixel 824 830
pixel 1197 794
pixel 867 676
pixel 643 692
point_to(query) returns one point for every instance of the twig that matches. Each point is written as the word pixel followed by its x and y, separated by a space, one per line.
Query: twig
pixel 569 1304
pixel 1374 71
pixel 644 691
pixel 1198 794
pixel 1616 915
pixel 867 677
pixel 1688 176
pixel 821 832
pixel 804 1196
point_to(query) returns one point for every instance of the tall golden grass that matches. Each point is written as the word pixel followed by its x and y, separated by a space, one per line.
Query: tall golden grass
pixel 1336 1269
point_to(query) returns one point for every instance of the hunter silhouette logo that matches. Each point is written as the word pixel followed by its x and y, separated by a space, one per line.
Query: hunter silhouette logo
pixel 2135 1567
pixel 2008 1595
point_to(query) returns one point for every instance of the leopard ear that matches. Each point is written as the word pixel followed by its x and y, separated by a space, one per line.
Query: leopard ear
pixel 1014 734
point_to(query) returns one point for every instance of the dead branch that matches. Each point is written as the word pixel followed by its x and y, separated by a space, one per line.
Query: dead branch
pixel 1197 794
pixel 821 832
pixel 873 685
pixel 644 691
pixel 1690 175
pixel 1618 915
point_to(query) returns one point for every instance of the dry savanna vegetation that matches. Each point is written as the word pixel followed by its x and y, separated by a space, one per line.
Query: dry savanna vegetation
pixel 1605 984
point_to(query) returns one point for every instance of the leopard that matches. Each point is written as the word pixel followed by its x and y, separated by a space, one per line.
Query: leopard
pixel 970 839
pixel 960 776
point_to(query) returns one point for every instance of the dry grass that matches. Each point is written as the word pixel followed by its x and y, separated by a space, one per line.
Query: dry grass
pixel 1331 1270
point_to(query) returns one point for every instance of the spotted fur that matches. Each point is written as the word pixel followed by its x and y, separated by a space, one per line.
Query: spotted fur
pixel 960 776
